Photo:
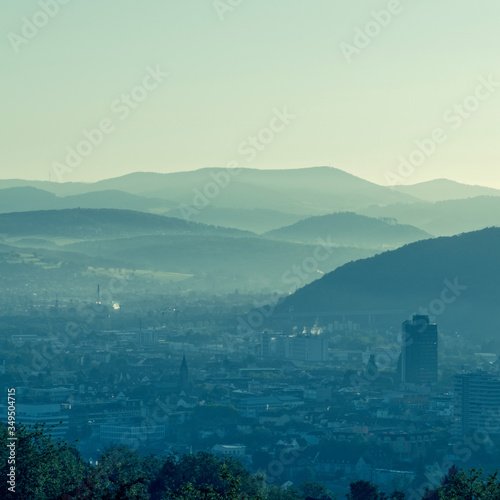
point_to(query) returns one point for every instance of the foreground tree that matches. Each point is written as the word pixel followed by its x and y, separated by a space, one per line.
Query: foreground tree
pixel 207 475
pixel 312 489
pixel 470 485
pixel 44 467
pixel 120 474
pixel 364 490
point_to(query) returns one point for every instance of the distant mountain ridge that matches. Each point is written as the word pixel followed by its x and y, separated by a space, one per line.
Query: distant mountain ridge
pixel 444 218
pixel 445 189
pixel 321 178
pixel 23 199
pixel 308 191
pixel 264 200
pixel 348 228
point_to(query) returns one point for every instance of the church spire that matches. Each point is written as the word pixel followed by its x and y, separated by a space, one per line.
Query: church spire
pixel 183 375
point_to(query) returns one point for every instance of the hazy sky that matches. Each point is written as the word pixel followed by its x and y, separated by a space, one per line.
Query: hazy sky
pixel 356 108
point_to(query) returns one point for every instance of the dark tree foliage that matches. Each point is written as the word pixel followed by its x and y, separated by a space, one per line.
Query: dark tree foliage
pixel 363 490
pixel 44 467
pixel 207 473
pixel 469 485
pixel 49 469
pixel 312 490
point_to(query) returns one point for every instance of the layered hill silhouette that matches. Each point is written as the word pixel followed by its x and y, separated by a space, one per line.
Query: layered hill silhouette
pixel 221 262
pixel 262 200
pixel 100 223
pixel 293 207
pixel 307 191
pixel 455 279
pixel 445 218
pixel 22 199
pixel 348 228
pixel 257 220
pixel 154 246
pixel 444 189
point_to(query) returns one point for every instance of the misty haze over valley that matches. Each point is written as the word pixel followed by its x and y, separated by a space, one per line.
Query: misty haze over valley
pixel 250 250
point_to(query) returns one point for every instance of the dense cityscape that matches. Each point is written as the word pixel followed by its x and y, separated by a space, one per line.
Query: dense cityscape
pixel 352 398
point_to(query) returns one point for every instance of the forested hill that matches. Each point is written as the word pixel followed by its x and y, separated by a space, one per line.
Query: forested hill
pixel 348 228
pixel 88 223
pixel 415 276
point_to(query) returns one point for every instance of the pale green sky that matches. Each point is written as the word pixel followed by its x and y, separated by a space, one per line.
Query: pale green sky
pixel 227 77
